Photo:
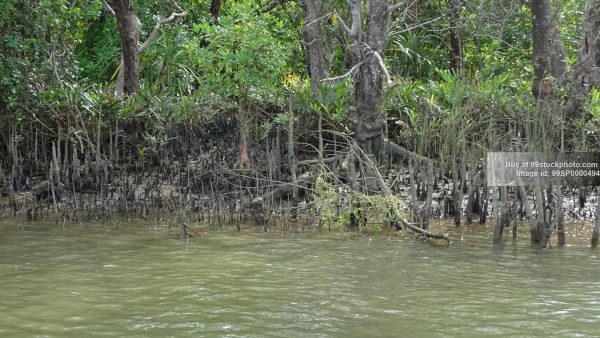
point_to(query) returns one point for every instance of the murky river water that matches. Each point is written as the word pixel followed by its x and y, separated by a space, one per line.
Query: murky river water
pixel 131 282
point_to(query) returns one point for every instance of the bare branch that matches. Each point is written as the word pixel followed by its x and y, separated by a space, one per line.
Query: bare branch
pixel 341 21
pixel 398 5
pixel 177 6
pixel 108 8
pixel 410 28
pixel 350 72
pixel 160 22
pixel 383 68
pixel 318 19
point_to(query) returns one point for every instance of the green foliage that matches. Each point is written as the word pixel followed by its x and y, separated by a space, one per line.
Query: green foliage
pixel 99 52
pixel 37 63
pixel 333 103
pixel 441 118
pixel 58 60
pixel 242 59
pixel 593 105
pixel 413 54
pixel 334 207
pixel 591 125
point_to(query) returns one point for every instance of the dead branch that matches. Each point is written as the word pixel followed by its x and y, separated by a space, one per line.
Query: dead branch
pixel 317 161
pixel 403 153
pixel 423 232
pixel 341 21
pixel 317 20
pixel 159 23
pixel 383 68
pixel 398 5
pixel 108 8
pixel 192 232
pixel 350 72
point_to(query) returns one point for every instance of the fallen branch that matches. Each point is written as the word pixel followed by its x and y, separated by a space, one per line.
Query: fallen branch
pixel 317 161
pixel 192 232
pixel 403 153
pixel 423 232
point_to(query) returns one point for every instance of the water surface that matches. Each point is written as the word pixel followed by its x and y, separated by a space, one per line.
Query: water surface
pixel 129 281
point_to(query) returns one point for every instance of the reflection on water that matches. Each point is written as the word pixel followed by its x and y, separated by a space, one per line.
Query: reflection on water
pixel 96 281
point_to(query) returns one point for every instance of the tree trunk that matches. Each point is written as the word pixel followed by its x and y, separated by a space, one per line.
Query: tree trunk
pixel 243 125
pixel 368 85
pixel 484 198
pixel 596 232
pixel 456 52
pixel 426 208
pixel 129 31
pixel 215 10
pixel 499 227
pixel 540 213
pixel 549 57
pixel 292 163
pixel 560 215
pixel 586 72
pixel 413 186
pixel 549 217
pixel 456 195
pixel 313 41
pixel 515 218
pixel 471 193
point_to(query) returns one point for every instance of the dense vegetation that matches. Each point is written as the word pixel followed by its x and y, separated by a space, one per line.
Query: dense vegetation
pixel 254 101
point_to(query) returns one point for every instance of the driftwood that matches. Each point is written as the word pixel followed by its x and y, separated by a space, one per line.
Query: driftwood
pixel 402 153
pixel 423 232
pixel 189 231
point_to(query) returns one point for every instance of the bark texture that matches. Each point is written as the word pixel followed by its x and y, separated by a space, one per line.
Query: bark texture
pixel 586 73
pixel 456 50
pixel 368 86
pixel 313 42
pixel 129 31
pixel 549 57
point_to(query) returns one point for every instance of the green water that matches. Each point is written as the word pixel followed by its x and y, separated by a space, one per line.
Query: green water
pixel 131 282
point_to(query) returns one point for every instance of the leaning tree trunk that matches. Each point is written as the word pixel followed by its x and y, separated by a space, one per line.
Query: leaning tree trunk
pixel 368 85
pixel 129 31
